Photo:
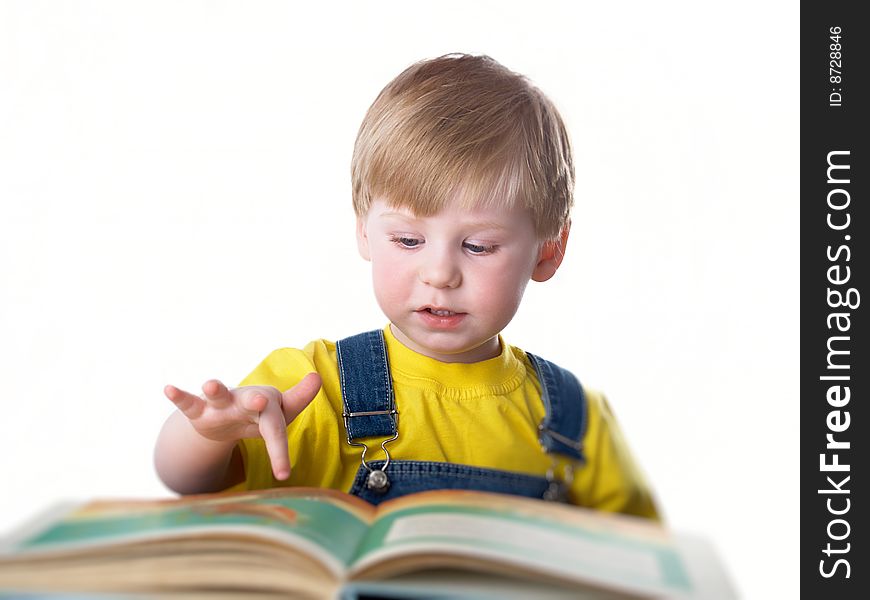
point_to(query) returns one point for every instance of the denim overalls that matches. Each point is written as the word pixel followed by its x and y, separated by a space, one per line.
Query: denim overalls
pixel 370 411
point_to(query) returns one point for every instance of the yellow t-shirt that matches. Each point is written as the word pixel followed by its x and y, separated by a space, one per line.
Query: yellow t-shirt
pixel 483 414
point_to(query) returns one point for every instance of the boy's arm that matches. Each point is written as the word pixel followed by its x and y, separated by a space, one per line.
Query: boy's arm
pixel 189 463
pixel 611 480
pixel 196 449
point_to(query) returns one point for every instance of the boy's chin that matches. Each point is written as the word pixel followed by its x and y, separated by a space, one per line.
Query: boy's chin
pixel 451 347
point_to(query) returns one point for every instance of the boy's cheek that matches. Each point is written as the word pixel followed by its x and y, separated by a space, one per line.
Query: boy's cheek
pixel 386 278
pixel 383 262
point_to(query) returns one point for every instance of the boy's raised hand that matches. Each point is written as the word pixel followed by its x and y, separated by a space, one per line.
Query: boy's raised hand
pixel 228 415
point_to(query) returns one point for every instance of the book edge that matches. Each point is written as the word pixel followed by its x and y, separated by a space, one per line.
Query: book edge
pixel 36 524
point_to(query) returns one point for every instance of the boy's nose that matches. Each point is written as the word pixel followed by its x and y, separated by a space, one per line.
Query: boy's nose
pixel 440 271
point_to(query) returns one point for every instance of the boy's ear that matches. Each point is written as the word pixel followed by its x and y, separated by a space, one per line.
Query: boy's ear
pixel 362 238
pixel 551 255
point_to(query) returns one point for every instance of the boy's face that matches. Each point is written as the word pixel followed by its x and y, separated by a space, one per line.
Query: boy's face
pixel 449 283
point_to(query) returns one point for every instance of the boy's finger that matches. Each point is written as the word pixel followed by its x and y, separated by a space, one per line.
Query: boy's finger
pixel 191 406
pixel 300 395
pixel 273 430
pixel 256 402
pixel 216 393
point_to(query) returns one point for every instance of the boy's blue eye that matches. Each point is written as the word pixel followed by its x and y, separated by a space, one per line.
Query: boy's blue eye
pixel 479 248
pixel 406 242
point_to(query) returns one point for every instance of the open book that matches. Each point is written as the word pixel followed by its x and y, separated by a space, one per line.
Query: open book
pixel 302 542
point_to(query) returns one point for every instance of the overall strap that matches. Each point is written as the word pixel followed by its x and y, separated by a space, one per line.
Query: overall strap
pixel 366 386
pixel 564 424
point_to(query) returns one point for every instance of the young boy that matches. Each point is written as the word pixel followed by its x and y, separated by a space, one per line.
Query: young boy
pixel 462 186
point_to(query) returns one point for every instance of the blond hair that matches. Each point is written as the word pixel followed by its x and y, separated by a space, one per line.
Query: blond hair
pixel 463 128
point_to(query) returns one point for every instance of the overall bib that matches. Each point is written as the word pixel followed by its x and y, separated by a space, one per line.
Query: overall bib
pixel 370 411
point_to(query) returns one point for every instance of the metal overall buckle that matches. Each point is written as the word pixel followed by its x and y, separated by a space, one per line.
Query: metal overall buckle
pixel 377 479
pixel 558 488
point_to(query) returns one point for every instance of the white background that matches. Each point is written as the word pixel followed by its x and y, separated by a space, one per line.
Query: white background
pixel 175 193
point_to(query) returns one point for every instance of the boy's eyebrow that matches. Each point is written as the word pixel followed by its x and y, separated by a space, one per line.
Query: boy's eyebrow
pixel 392 213
pixel 471 224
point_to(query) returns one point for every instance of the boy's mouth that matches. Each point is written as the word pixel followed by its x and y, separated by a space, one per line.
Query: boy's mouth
pixel 440 318
pixel 438 311
pixel 441 313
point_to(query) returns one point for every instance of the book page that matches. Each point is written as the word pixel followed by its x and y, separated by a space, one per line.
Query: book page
pixel 324 524
pixel 568 543
pixel 446 584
